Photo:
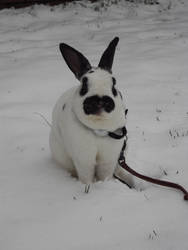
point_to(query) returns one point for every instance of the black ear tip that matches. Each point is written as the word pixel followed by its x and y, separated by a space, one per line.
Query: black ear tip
pixel 115 41
pixel 62 46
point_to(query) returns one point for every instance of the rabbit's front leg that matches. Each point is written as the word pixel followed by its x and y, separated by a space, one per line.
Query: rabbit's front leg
pixel 85 170
pixel 105 171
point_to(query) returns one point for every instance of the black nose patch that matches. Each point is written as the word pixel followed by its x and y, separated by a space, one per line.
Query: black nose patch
pixel 96 104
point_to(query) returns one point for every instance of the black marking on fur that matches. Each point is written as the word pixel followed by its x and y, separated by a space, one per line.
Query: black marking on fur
pixel 114 91
pixel 92 105
pixel 64 106
pixel 91 71
pixel 108 103
pixel 96 104
pixel 120 95
pixel 84 88
pixel 114 81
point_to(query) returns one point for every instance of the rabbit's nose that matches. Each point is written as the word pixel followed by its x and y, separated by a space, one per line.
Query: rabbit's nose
pixel 95 104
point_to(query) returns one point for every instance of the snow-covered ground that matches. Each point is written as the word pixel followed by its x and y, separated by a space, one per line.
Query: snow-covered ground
pixel 41 206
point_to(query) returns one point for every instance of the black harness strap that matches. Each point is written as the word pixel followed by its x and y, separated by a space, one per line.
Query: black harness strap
pixel 119 134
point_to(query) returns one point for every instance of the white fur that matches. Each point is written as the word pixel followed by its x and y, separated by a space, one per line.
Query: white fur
pixel 73 141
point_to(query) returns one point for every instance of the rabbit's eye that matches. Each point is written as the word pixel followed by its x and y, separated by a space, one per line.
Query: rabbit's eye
pixel 114 91
pixel 84 88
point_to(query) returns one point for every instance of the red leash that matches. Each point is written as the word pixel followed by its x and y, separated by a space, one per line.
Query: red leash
pixel 123 164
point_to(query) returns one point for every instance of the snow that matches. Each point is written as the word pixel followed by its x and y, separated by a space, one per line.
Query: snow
pixel 41 206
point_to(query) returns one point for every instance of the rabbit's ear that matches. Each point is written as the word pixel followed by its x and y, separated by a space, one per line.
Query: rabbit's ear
pixel 107 58
pixel 77 63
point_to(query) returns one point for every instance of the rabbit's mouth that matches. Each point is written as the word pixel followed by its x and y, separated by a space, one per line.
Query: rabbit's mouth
pixel 96 105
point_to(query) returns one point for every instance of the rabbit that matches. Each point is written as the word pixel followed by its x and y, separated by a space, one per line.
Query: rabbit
pixel 87 117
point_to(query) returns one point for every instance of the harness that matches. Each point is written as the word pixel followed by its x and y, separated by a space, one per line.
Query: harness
pixel 117 134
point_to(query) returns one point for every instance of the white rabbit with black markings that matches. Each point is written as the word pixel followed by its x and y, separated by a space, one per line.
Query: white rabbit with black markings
pixel 87 119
